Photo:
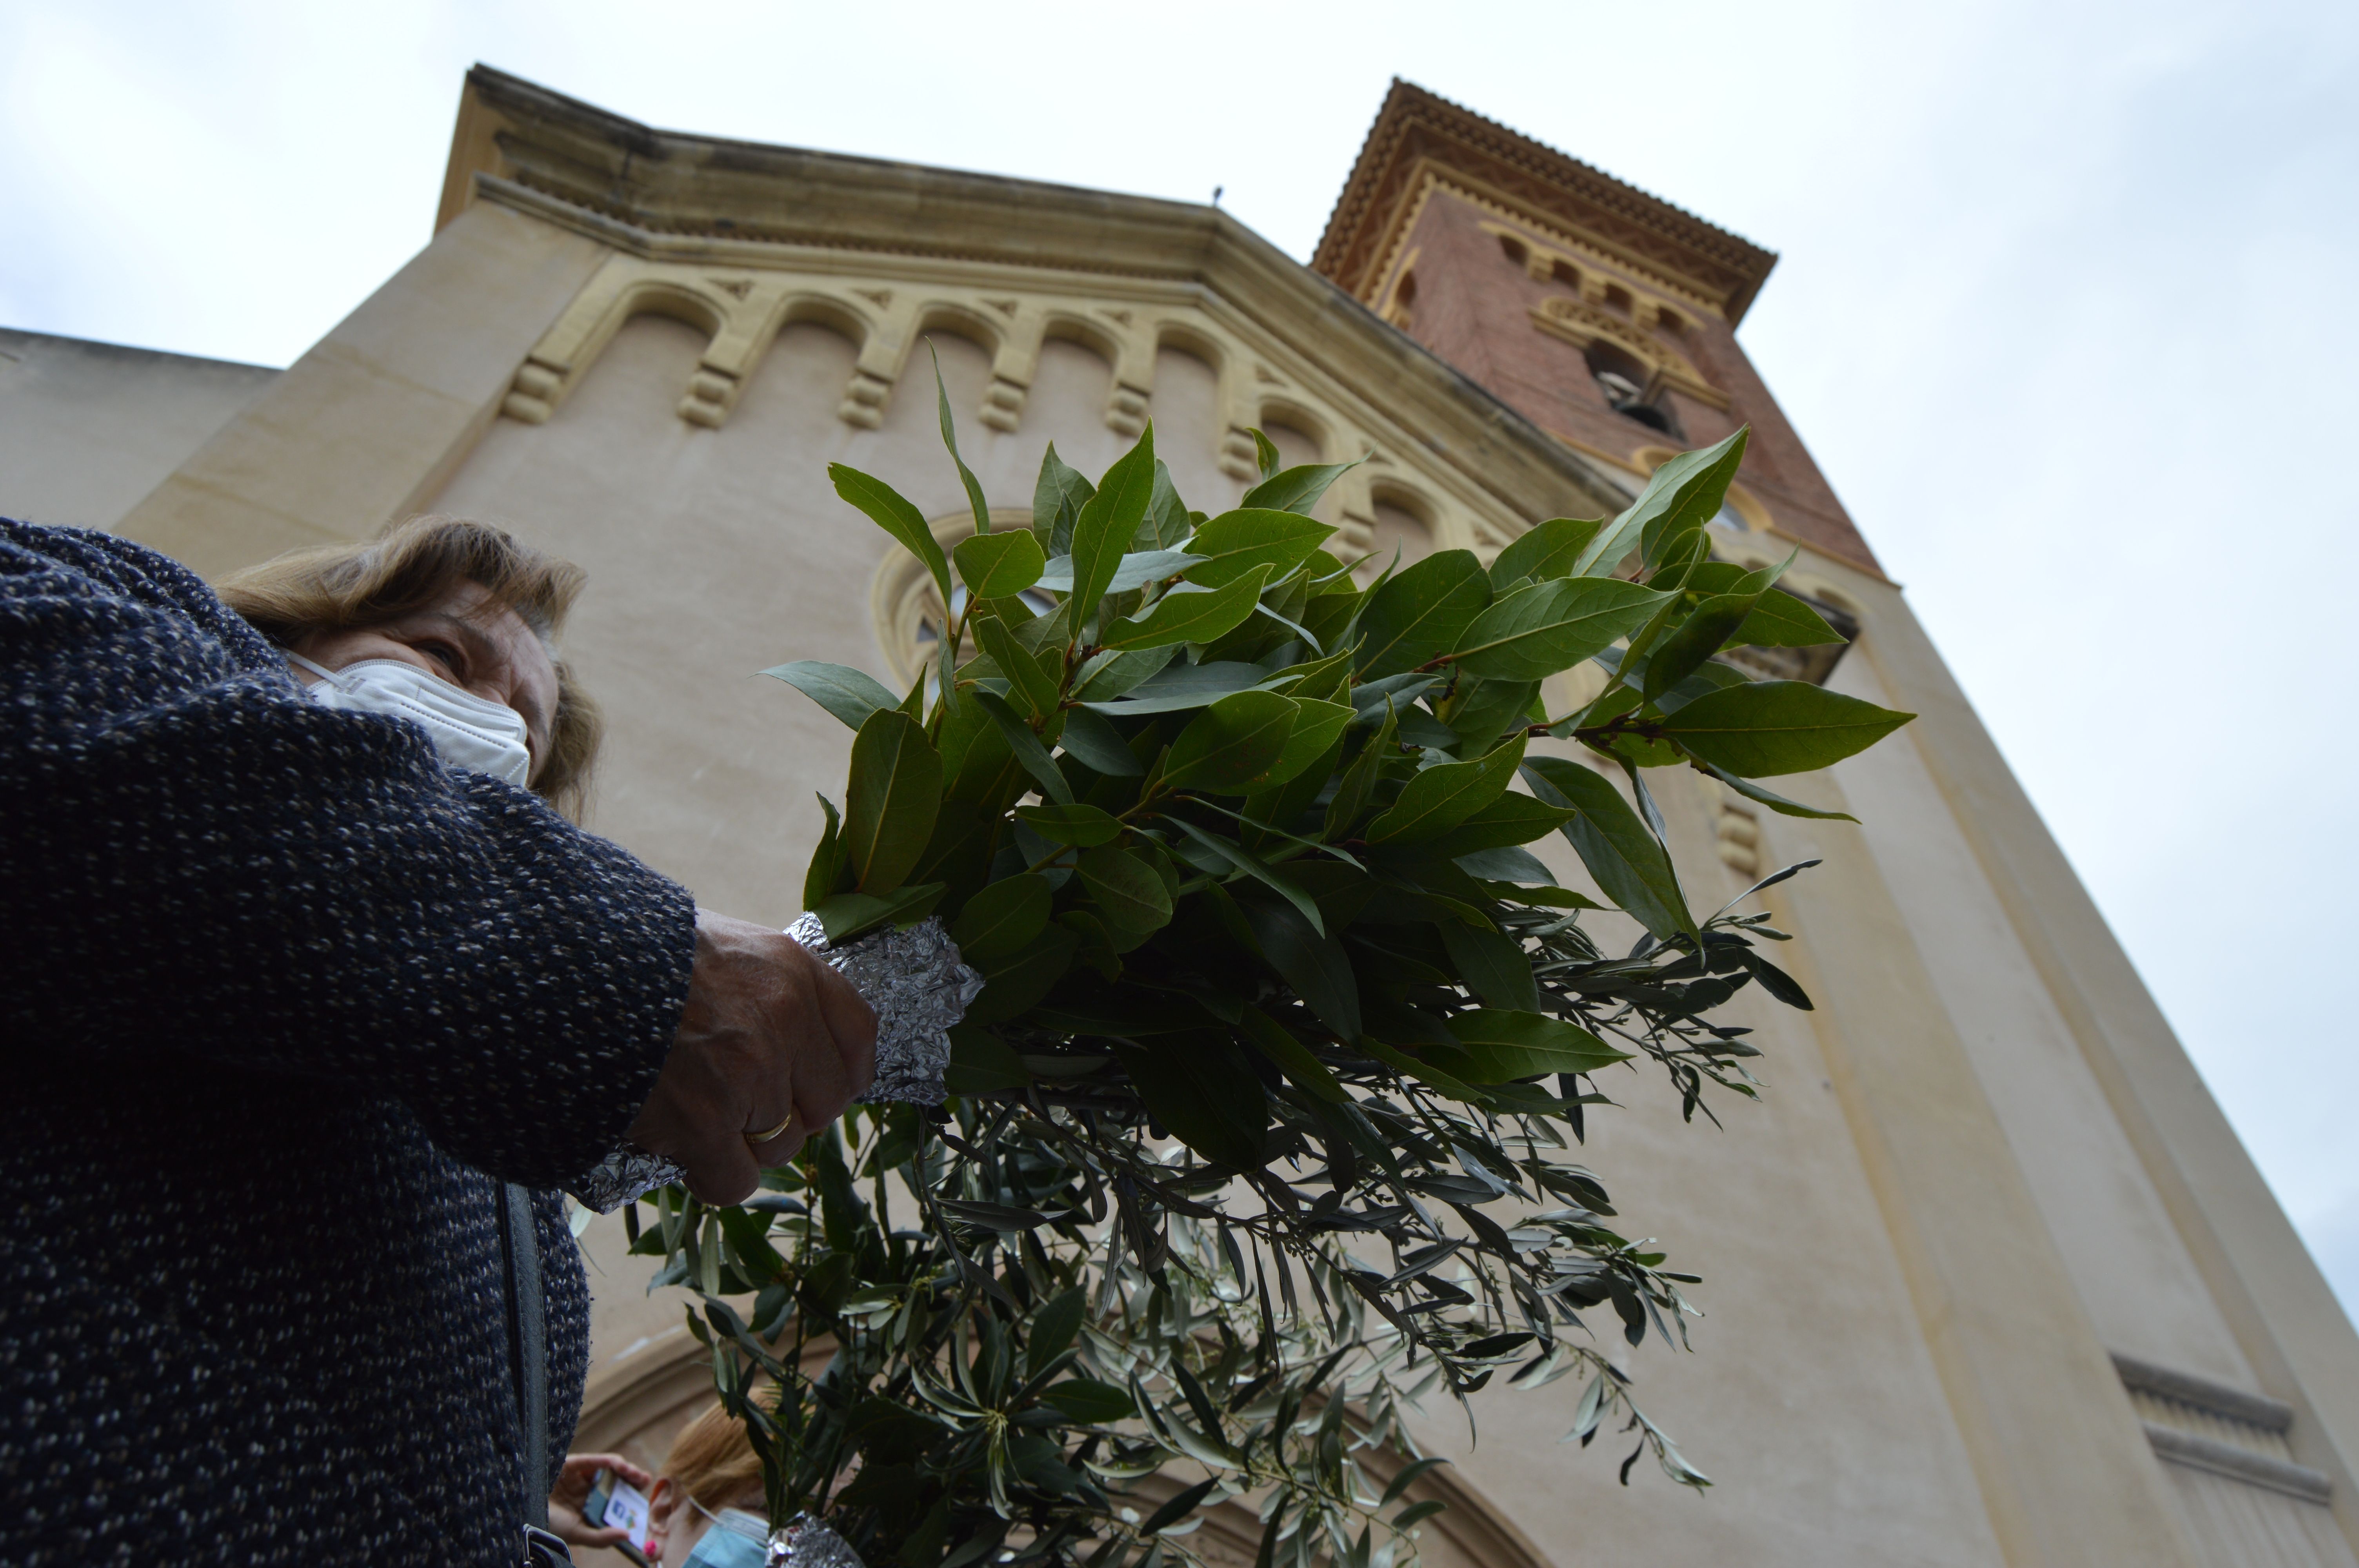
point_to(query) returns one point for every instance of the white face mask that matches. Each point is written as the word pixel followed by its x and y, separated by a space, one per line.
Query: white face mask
pixel 468 732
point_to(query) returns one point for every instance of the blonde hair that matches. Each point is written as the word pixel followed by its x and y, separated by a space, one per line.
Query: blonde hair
pixel 712 1460
pixel 339 588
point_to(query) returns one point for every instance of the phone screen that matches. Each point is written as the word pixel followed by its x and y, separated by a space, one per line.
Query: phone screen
pixel 615 1503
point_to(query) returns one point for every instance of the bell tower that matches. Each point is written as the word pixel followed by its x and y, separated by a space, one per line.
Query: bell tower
pixel 1606 316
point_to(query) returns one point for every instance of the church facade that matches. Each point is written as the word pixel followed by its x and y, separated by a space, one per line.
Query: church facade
pixel 1988 1279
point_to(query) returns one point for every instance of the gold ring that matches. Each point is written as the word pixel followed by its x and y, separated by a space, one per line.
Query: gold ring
pixel 757 1139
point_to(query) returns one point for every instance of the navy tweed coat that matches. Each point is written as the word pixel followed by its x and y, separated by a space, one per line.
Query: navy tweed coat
pixel 282 1001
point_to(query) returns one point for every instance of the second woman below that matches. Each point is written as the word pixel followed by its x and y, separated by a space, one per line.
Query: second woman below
pixel 706 1510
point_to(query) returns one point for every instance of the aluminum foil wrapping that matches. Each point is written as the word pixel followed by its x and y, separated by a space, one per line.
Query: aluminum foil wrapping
pixel 914 978
pixel 804 1543
pixel 627 1173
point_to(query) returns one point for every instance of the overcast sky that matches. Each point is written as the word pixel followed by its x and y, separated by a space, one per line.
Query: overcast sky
pixel 2063 309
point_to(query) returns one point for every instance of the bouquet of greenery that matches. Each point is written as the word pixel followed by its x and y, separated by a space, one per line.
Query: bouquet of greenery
pixel 1261 1128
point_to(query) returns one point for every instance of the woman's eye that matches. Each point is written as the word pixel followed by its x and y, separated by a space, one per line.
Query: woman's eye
pixel 443 653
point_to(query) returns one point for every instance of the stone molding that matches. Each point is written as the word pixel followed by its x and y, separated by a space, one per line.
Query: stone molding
pixel 2222 1400
pixel 1416 128
pixel 1478 472
pixel 2239 1463
pixel 1549 242
pixel 2231 1432
pixel 1546 244
pixel 1580 323
pixel 971 240
pixel 744 309
pixel 1545 250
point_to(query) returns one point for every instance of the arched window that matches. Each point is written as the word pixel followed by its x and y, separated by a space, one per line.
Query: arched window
pixel 1399 312
pixel 906 604
pixel 1515 249
pixel 1623 380
pixel 1400 523
pixel 1299 435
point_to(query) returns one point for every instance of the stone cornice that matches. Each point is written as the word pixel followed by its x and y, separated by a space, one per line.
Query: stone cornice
pixel 667 182
pixel 661 193
pixel 1416 130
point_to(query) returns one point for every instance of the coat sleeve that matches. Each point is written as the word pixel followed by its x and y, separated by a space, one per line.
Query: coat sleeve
pixel 194 857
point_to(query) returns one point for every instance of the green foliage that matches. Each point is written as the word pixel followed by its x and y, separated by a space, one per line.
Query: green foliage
pixel 1181 616
pixel 995 566
pixel 1265 1119
pixel 1763 729
pixel 850 695
pixel 895 793
pixel 1539 630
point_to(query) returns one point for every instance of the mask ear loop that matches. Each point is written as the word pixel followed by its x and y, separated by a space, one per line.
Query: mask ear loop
pixel 718 1522
pixel 322 671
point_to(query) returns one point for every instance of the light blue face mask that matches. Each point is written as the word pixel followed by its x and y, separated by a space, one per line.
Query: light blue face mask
pixel 737 1540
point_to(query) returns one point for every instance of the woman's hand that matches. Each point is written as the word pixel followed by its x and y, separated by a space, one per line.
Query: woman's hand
pixel 769 1030
pixel 567 1499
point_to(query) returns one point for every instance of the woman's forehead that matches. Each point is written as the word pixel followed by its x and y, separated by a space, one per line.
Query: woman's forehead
pixel 473 603
pixel 472 600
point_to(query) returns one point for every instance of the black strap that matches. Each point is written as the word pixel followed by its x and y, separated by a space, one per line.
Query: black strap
pixel 527 1347
pixel 542 1550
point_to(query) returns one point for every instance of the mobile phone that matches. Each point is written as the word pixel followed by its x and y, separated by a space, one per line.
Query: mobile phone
pixel 616 1504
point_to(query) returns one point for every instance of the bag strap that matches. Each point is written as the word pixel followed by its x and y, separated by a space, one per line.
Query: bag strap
pixel 542 1550
pixel 527 1346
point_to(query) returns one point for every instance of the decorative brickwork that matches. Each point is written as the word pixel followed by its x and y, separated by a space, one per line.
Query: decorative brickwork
pixel 1601 314
pixel 1415 128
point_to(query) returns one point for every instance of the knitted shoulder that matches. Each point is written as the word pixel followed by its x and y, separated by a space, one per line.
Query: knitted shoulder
pixel 120 569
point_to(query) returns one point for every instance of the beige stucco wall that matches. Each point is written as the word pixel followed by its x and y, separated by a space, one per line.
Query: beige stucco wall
pixel 365 425
pixel 2128 1262
pixel 87 429
pixel 1956 1198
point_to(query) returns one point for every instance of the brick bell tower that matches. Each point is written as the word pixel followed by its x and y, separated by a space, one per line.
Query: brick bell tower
pixel 1606 316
